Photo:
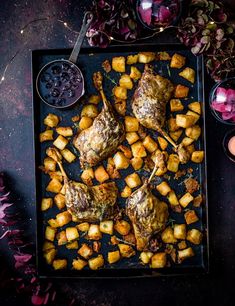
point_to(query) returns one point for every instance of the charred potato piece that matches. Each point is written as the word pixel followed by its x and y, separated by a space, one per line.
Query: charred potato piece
pixel 118 63
pixel 126 250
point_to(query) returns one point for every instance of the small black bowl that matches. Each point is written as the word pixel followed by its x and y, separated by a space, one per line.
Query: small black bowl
pixel 225 142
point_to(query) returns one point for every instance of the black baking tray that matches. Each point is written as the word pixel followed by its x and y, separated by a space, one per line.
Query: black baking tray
pixel 90 60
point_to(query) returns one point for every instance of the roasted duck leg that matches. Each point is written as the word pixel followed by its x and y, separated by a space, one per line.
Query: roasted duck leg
pixel 103 137
pixel 149 105
pixel 147 213
pixel 90 204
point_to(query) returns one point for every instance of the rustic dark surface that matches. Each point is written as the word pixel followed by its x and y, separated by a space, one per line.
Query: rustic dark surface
pixel 16 160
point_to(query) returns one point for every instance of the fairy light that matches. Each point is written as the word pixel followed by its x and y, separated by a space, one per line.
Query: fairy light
pixel 161 29
pixel 211 22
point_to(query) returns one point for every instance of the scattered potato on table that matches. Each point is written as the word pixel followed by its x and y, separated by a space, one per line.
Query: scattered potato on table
pixel 71 233
pixel 50 233
pixel 193 132
pixel 60 142
pixel 61 238
pixel 126 250
pixel 47 245
pixel 72 245
pixel 59 264
pixel 85 251
pixel 146 57
pixel 176 105
pixel 158 260
pixel 185 199
pixel 54 186
pixel 162 143
pixel 136 162
pixel 94 232
pixel 113 257
pixel 65 131
pixel 180 231
pixel 122 227
pixel 133 180
pixel 46 203
pixel 185 121
pixel 118 63
pixel 120 161
pixel 89 110
pixel 195 107
pixel 184 254
pixel 49 255
pixel 182 245
pixel 163 188
pixel 177 61
pixel 126 81
pixel 120 106
pixel 94 99
pixel 149 144
pixel 68 155
pixel 132 59
pixel 51 120
pixel 85 123
pixel 176 135
pixel 135 73
pixel 46 135
pixel 197 201
pixel 96 262
pixel 87 176
pixel 78 264
pixel 188 74
pixel 145 257
pixel 126 192
pixel 194 236
pixel 173 163
pixel 131 124
pixel 172 198
pixel 120 92
pixel 191 217
pixel 197 156
pixel 132 137
pixel 138 149
pixel 53 223
pixel 101 175
pixel 106 227
pixel 193 114
pixel 168 235
pixel 83 227
pixel 63 218
pixel 181 91
pixel 49 164
pixel 172 125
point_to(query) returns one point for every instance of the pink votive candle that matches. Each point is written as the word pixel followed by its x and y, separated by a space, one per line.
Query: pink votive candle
pixel 231 145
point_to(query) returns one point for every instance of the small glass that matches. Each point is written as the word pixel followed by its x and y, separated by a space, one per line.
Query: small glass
pixel 229 145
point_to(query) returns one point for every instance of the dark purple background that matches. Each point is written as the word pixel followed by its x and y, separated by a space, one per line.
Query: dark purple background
pixel 16 160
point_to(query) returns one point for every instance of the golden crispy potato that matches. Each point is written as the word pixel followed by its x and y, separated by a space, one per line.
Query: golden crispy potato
pixel 131 124
pixel 133 180
pixel 188 74
pixel 173 163
pixel 126 151
pixel 185 121
pixel 149 144
pixel 126 81
pixel 180 231
pixel 197 156
pixel 146 57
pixel 113 256
pixel 168 235
pixel 87 176
pixel 145 257
pixel 120 92
pixel 126 192
pixel 85 123
pixel 181 91
pixel 138 149
pixel 61 238
pixel 46 136
pixel 63 218
pixel 60 142
pixel 90 110
pixel 177 61
pixel 51 120
pixel 96 262
pixel 194 236
pixel 186 199
pixel 83 227
pixel 49 255
pixel 195 107
pixel 182 245
pixel 126 250
pixel 172 198
pixel 193 132
pixel 176 105
pixel 71 233
pixel 191 217
pixel 163 188
pixel 85 251
pixel 136 162
pixel 78 264
pixel 162 143
pixel 135 73
pixel 172 126
pixel 132 137
pixel 94 99
pixel 49 164
pixel 120 161
pixel 118 63
pixel 101 175
pixel 72 245
pixel 94 232
pixel 47 245
pixel 59 264
pixel 120 106
pixel 184 254
pixel 132 59
pixel 54 186
pixel 46 203
pixel 122 227
pixel 68 155
pixel 106 227
pixel 176 135
pixel 65 131
pixel 50 233
pixel 158 260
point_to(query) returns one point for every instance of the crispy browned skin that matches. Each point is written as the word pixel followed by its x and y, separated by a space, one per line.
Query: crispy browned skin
pixel 104 136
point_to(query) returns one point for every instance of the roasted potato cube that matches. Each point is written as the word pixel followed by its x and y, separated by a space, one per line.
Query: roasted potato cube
pixel 94 232
pixel 63 189
pixel 87 176
pixel 126 192
pixel 60 142
pixel 176 105
pixel 57 175
pixel 182 245
pixel 136 162
pixel 161 171
pixel 180 231
pixel 168 235
pixel 85 251
pixel 85 123
pixel 135 73
pixel 120 92
pixel 181 91
pixel 132 137
pixel 177 61
pixel 83 227
pixel 120 161
pixel 176 135
pixel 185 199
pixel 195 107
pixel 53 153
pixel 132 59
pixel 114 240
pixel 172 126
pixel 193 132
pixel 126 81
pixel 197 156
pixel 163 188
pixel 54 186
pixel 186 253
pixel 72 245
pixel 133 180
pixel 94 99
pixel 131 124
pixel 162 143
pixel 49 164
pixel 96 262
pixel 188 74
pixel 113 256
pixel 184 121
pixel 106 227
pixel 150 144
pixel 191 217
pixel 51 120
pixel 164 56
pixel 186 141
pixel 49 256
pixel 158 260
pixel 59 264
pixel 118 63
pixel 89 110
pixel 71 233
pixel 122 227
pixel 197 201
pixel 146 57
pixel 126 250
pixel 75 218
pixel 46 135
pixel 47 245
pixel 120 106
pixel 50 233
pixel 46 203
pixel 112 171
pixel 63 218
pixel 126 151
pixel 173 163
pixel 172 198
pixel 61 238
pixel 65 131
pixel 68 155
pixel 101 175
pixel 138 149
pixel 194 236
pixel 195 115
pixel 145 257
pixel 53 223
pixel 190 148
pixel 78 264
